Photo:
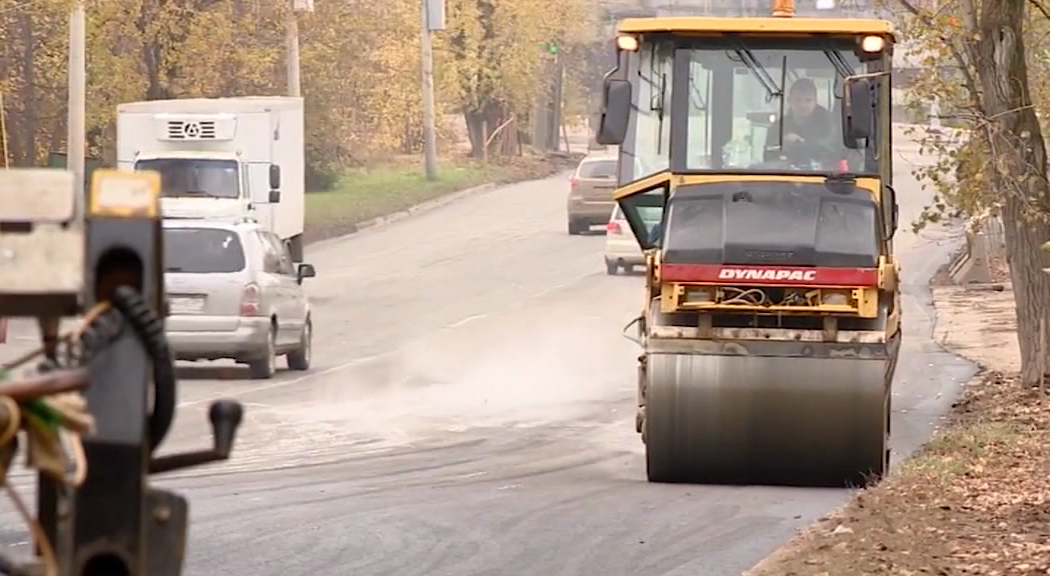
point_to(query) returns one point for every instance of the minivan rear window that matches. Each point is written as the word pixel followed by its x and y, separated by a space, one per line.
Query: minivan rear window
pixel 598 169
pixel 202 251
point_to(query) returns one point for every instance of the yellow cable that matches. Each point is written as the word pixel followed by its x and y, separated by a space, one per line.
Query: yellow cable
pixel 14 422
pixel 752 296
pixel 75 478
pixel 92 314
pixel 80 469
pixel 46 550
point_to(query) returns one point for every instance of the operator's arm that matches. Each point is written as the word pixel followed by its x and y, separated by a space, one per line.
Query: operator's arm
pixel 824 129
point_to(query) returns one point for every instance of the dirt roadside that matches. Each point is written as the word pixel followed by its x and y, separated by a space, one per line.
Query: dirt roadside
pixel 976 499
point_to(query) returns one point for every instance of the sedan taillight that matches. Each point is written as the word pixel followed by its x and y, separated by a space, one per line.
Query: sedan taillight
pixel 250 300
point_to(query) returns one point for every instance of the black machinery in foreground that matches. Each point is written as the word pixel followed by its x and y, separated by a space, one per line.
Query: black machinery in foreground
pixel 97 401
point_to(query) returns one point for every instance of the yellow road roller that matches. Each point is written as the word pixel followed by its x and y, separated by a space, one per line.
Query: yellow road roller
pixel 755 170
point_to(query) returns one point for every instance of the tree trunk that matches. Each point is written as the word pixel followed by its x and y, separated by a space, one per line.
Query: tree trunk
pixel 482 121
pixel 1019 168
pixel 475 121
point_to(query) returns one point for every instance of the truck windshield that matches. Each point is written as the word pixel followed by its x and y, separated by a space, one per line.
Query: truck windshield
pixel 750 105
pixel 199 178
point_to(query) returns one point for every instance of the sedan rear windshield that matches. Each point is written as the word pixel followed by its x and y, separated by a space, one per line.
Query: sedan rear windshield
pixel 202 251
pixel 598 169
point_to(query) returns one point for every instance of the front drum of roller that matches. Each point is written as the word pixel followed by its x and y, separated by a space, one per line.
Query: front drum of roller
pixel 766 420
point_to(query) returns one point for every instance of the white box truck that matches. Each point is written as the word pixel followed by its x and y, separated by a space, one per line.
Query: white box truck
pixel 222 158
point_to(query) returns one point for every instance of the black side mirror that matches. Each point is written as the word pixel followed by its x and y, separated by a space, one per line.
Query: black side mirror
pixel 616 111
pixel 889 198
pixel 858 110
pixel 305 271
pixel 275 177
pixel 275 196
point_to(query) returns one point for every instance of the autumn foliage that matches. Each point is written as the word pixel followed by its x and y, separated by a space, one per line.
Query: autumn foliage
pixel 986 63
pixel 360 65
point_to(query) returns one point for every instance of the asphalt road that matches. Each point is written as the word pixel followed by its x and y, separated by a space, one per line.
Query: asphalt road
pixel 471 412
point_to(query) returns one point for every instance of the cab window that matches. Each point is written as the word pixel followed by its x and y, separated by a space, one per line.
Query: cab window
pixel 645 214
pixel 647 149
pixel 762 105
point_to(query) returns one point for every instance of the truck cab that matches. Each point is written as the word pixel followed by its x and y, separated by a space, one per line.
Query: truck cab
pixel 209 184
pixel 222 158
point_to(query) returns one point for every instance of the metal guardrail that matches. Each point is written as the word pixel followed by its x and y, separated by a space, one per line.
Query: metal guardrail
pixel 985 242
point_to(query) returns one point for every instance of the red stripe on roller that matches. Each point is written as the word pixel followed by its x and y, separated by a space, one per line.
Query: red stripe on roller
pixel 775 275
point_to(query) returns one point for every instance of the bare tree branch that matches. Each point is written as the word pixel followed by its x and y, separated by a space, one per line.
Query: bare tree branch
pixel 1041 7
pixel 957 54
pixel 969 16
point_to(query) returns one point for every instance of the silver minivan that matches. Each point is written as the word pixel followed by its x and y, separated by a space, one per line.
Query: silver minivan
pixel 234 292
pixel 591 193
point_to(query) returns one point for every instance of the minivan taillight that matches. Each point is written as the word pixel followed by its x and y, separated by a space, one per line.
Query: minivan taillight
pixel 613 228
pixel 250 300
pixel 574 183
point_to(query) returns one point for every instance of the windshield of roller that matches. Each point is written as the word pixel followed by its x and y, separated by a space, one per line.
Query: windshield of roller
pixel 751 105
pixel 771 106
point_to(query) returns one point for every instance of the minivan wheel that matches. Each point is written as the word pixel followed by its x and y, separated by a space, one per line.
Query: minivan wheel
pixel 574 228
pixel 299 359
pixel 265 366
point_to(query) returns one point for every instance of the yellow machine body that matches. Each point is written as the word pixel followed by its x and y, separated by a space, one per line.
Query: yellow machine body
pixel 771 318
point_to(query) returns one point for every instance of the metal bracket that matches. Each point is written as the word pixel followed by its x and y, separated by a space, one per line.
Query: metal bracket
pixel 39 224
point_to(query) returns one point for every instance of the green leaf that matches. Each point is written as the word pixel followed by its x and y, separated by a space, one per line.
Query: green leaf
pixel 39 409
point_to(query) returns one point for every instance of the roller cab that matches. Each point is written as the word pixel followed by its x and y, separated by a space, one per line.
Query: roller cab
pixel 755 171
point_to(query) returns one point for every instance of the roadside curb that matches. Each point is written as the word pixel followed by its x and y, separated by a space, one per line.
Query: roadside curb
pixel 426 206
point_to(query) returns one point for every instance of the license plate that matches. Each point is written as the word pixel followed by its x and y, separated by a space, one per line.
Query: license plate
pixel 186 304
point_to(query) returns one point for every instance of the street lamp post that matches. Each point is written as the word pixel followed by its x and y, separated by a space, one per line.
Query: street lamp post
pixel 76 146
pixel 433 19
pixel 291 53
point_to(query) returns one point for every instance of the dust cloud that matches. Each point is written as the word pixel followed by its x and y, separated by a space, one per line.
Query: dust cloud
pixel 521 369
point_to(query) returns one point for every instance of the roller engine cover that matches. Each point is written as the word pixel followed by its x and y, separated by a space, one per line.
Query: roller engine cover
pixel 769 223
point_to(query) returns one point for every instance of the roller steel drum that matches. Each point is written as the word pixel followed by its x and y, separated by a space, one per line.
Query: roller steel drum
pixel 767 420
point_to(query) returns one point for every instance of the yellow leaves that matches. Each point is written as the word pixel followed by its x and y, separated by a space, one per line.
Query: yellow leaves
pixel 360 62
pixel 501 53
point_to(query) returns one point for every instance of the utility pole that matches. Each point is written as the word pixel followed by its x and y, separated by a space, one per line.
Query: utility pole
pixel 433 18
pixel 291 52
pixel 76 148
pixel 556 115
pixel 548 108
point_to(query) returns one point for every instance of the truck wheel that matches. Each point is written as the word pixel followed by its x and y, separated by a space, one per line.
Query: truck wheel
pixel 264 366
pixel 299 359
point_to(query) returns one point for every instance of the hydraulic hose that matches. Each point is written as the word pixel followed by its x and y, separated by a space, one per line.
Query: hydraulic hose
pixel 150 330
